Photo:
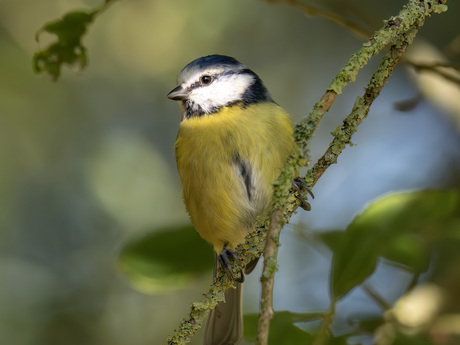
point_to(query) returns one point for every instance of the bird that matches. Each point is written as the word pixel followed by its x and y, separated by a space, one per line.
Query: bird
pixel 233 140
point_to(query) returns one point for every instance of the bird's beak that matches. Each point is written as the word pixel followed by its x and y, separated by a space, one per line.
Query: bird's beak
pixel 178 94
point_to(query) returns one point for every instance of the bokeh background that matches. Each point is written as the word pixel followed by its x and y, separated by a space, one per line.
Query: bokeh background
pixel 87 162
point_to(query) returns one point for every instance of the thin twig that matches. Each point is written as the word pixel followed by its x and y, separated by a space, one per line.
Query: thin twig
pixel 270 266
pixel 438 68
pixel 376 297
pixel 414 281
pixel 324 330
pixel 335 18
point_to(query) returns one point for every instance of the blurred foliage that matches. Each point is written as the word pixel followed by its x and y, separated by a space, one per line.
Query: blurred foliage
pixel 401 228
pixel 59 237
pixel 417 232
pixel 68 49
pixel 166 259
pixel 282 328
pixel 70 29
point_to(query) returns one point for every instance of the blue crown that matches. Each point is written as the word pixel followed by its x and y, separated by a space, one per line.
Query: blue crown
pixel 213 60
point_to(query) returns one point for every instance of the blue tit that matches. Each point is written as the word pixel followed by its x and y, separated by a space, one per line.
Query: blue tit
pixel 232 142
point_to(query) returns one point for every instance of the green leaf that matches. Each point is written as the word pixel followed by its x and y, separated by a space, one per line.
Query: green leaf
pixel 166 259
pixel 409 251
pixel 339 340
pixel 445 270
pixel 353 260
pixel 367 323
pixel 420 338
pixel 400 227
pixel 68 49
pixel 282 328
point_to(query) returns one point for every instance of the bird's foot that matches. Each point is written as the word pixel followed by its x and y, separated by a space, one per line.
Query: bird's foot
pixel 224 258
pixel 299 185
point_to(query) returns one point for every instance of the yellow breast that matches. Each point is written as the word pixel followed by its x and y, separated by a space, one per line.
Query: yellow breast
pixel 209 152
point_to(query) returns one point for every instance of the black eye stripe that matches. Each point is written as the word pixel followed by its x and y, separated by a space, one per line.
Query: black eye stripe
pixel 201 83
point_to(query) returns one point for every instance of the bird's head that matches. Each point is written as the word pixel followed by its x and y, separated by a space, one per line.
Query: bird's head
pixel 209 83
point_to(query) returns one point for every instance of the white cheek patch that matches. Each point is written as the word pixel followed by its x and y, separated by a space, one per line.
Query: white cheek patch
pixel 223 90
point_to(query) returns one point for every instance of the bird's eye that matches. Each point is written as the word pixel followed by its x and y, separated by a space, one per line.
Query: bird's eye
pixel 206 79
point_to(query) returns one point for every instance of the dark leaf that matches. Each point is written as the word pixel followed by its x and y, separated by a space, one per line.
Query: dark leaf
pixel 166 259
pixel 339 340
pixel 353 261
pixel 367 323
pixel 409 251
pixel 420 338
pixel 68 49
pixel 400 227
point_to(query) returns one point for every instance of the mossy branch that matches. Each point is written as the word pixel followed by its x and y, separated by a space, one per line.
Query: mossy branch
pixel 397 33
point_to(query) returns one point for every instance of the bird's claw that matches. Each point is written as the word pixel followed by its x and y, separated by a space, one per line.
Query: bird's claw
pixel 298 186
pixel 224 258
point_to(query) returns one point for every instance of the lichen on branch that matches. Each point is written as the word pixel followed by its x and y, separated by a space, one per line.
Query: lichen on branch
pixel 396 34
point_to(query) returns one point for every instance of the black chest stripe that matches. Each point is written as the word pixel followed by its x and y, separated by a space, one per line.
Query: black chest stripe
pixel 246 173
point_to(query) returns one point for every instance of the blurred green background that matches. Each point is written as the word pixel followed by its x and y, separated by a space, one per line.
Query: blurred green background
pixel 87 163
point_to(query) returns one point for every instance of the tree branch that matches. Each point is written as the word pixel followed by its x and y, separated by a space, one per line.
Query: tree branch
pixel 343 133
pixel 270 267
pixel 398 33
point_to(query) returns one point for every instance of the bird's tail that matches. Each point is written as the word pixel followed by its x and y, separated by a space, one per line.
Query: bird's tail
pixel 225 322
